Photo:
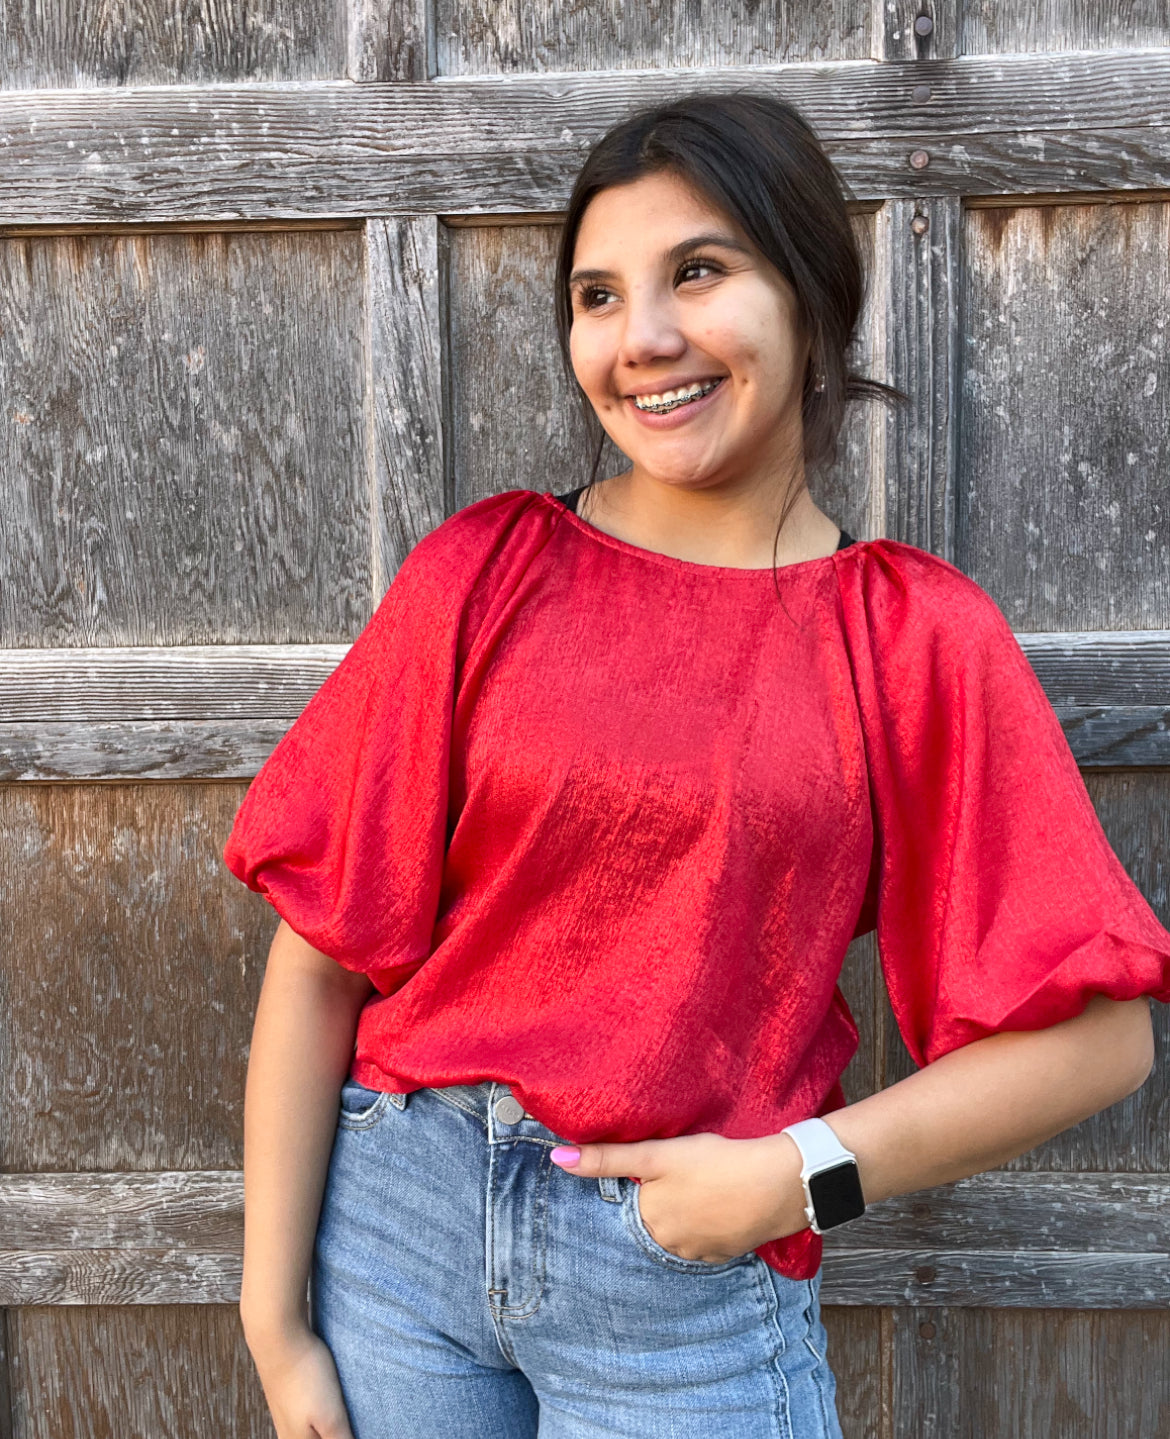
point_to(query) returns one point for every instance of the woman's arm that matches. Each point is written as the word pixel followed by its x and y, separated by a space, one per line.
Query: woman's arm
pixel 707 1197
pixel 977 1107
pixel 302 1045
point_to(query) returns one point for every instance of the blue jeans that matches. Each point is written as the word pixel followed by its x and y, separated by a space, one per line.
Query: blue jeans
pixel 469 1288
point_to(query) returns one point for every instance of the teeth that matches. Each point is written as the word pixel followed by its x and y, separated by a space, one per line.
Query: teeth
pixel 671 399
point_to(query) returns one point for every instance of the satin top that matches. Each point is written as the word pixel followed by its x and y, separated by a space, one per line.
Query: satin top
pixel 601 823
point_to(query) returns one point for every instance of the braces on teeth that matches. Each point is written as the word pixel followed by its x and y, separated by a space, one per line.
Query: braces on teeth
pixel 693 393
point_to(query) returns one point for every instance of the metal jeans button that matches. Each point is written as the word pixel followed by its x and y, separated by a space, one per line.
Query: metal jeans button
pixel 508 1109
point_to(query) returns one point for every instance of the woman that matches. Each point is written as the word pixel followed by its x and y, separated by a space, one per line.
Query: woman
pixel 575 840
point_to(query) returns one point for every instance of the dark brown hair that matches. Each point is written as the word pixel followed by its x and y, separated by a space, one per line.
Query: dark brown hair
pixel 757 159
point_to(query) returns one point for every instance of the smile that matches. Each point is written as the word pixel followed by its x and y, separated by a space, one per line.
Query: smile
pixel 672 399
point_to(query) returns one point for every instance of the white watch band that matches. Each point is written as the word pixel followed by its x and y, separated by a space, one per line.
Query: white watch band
pixel 820 1149
pixel 819 1146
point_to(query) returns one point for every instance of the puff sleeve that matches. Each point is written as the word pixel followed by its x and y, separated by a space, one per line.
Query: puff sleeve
pixel 343 828
pixel 999 902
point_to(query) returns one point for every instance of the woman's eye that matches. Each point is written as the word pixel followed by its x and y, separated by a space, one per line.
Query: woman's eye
pixel 697 265
pixel 588 297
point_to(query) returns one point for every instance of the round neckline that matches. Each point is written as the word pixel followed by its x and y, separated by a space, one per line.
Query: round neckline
pixel 672 561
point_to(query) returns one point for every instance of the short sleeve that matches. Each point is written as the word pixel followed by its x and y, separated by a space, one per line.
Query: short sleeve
pixel 344 828
pixel 1000 904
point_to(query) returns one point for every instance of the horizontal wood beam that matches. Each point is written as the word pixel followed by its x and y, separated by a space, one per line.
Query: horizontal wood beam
pixel 217 711
pixel 991 125
pixel 1043 1240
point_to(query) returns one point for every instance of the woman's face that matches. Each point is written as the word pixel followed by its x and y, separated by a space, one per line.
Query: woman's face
pixel 669 293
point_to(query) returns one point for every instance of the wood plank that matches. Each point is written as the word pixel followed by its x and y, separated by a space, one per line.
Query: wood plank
pixel 62 44
pixel 477 37
pixel 855 1357
pixel 387 40
pixel 1030 1240
pixel 1015 1374
pixel 213 493
pixel 406 266
pixel 993 27
pixel 1105 669
pixel 217 711
pixel 1025 1279
pixel 130 972
pixel 157 1372
pixel 1008 125
pixel 119 1276
pixel 922 273
pixel 1064 414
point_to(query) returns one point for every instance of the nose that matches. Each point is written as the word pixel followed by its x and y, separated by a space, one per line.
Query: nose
pixel 650 330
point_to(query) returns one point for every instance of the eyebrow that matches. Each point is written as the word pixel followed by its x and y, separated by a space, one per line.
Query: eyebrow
pixel 673 255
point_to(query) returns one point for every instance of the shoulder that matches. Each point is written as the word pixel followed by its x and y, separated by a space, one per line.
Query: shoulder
pixel 903 593
pixel 469 539
pixel 470 551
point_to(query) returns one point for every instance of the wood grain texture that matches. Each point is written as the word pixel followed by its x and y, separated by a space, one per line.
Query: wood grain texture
pixel 184 439
pixel 997 27
pixel 1015 1374
pixel 129 978
pixel 1089 1240
pixel 1063 513
pixel 60 44
pixel 387 40
pixel 480 37
pixel 514 416
pixel 406 262
pixel 135 1373
pixel 1011 125
pixel 922 270
pixel 855 1357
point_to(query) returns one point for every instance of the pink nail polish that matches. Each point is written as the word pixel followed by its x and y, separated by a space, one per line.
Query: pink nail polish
pixel 564 1154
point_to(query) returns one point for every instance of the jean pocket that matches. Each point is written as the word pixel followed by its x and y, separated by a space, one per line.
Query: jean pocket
pixel 637 1226
pixel 359 1107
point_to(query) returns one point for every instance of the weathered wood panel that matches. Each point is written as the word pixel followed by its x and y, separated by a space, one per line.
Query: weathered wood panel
pixel 474 37
pixel 1079 1241
pixel 130 971
pixel 149 1373
pixel 855 1352
pixel 1012 1374
pixel 1063 514
pixel 406 265
pixel 387 40
pixel 992 27
pixel 58 44
pixel 515 422
pixel 920 251
pixel 1008 126
pixel 184 456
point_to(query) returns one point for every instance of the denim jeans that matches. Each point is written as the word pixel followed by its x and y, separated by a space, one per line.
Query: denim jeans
pixel 469 1288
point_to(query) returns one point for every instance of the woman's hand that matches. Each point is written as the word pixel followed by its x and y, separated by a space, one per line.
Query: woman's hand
pixel 301 1386
pixel 704 1196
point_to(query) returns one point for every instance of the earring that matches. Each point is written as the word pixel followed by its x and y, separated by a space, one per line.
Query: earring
pixel 820 384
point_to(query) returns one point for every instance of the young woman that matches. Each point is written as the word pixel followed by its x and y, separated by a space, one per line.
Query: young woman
pixel 574 841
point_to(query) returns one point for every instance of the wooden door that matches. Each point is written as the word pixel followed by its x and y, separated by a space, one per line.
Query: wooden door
pixel 262 269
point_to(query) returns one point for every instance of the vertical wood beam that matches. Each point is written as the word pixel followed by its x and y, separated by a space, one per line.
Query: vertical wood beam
pixel 922 259
pixel 388 40
pixel 406 305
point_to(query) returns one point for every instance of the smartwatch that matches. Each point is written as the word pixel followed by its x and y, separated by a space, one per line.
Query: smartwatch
pixel 832 1184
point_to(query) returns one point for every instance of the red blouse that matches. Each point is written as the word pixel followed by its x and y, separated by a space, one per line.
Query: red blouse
pixel 601 823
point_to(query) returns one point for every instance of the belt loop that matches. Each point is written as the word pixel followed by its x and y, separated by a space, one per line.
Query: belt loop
pixel 610 1187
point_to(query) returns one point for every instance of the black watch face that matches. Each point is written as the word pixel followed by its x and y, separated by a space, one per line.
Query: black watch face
pixel 836 1195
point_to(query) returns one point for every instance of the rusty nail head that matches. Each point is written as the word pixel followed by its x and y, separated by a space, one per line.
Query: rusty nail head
pixel 923 25
pixel 927 1330
pixel 920 159
pixel 920 94
pixel 920 1210
pixel 925 1273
